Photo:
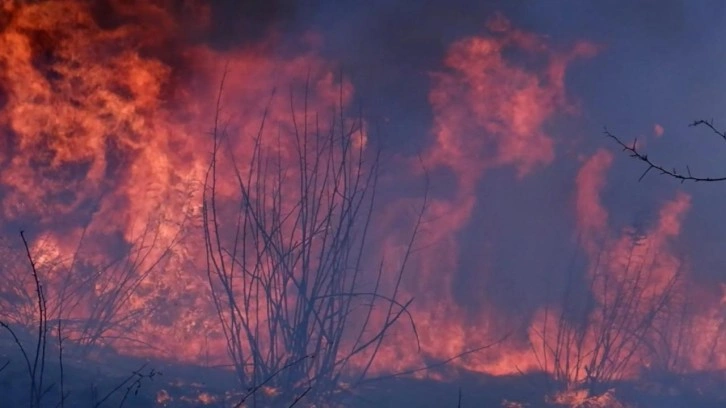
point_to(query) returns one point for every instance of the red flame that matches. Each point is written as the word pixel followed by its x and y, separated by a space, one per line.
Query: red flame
pixel 104 126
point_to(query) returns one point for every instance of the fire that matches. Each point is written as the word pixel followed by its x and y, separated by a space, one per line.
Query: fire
pixel 591 215
pixel 489 113
pixel 105 149
pixel 108 145
pixel 640 289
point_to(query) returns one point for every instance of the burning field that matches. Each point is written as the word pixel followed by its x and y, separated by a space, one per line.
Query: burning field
pixel 269 204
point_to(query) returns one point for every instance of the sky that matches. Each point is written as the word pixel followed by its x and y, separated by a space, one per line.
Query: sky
pixel 503 103
pixel 659 64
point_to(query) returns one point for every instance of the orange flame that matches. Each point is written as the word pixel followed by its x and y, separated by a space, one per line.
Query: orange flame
pixel 104 144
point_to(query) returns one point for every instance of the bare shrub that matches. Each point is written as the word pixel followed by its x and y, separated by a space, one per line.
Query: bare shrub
pixel 289 264
pixel 594 336
pixel 36 353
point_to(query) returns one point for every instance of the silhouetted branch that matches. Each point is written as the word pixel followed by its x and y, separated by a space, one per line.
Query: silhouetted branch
pixel 594 344
pixel 288 257
pixel 19 344
pixel 254 389
pixel 36 364
pixel 60 363
pixel 633 151
pixel 132 383
pixel 443 362
pixel 300 397
pixel 41 343
pixel 709 124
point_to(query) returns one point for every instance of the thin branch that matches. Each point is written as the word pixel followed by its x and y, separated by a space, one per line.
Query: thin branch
pixel 440 363
pixel 257 387
pixel 300 397
pixel 709 124
pixel 633 151
pixel 134 380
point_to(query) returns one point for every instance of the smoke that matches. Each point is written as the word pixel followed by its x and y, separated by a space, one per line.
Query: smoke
pixel 105 116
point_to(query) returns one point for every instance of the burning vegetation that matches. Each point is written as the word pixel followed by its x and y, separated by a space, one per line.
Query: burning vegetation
pixel 222 225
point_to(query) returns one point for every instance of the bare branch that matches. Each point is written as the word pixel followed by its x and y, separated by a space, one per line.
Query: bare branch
pixel 633 151
pixel 287 258
pixel 709 124
pixel 443 362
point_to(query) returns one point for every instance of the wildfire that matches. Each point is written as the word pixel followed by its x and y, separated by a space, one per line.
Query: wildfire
pixel 109 120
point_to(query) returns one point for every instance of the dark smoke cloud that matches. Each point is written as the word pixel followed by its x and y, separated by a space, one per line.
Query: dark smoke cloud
pixel 236 22
pixel 661 64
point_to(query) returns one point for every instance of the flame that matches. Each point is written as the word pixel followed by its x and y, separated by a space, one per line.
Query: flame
pixel 489 112
pixel 109 145
pixel 105 142
pixel 636 282
pixel 592 217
